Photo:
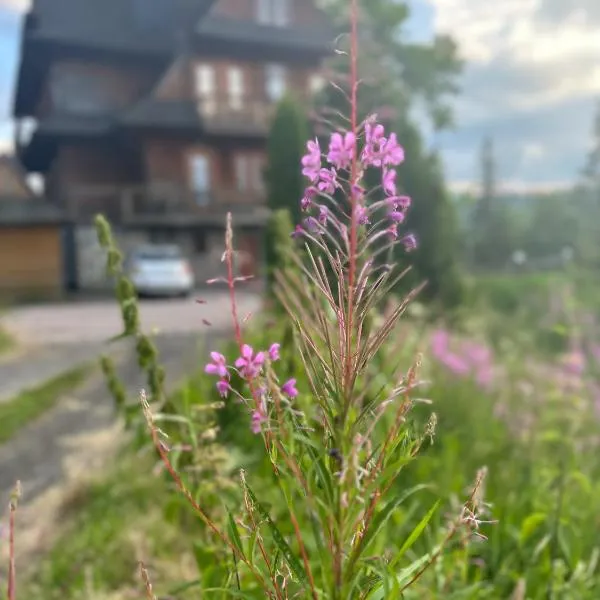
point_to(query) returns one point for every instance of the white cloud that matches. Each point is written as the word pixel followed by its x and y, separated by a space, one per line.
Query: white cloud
pixel 15 5
pixel 517 31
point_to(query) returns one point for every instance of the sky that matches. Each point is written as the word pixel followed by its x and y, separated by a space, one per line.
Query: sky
pixel 531 82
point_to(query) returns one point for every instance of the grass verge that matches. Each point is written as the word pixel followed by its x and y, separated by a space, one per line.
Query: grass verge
pixel 30 404
pixel 7 342
pixel 110 524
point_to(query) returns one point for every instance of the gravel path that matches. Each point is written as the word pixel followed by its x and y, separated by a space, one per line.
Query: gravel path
pixel 59 452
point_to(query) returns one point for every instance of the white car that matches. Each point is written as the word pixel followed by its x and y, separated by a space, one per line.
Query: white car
pixel 160 270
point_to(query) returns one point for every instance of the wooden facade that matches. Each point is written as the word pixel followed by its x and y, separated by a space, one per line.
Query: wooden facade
pixel 140 104
pixel 30 237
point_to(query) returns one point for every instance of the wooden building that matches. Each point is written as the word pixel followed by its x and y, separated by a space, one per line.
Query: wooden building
pixel 156 113
pixel 30 237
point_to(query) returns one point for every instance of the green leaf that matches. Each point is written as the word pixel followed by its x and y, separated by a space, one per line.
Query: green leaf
pixel 382 516
pixel 416 533
pixel 235 535
pixel 530 524
pixel 279 540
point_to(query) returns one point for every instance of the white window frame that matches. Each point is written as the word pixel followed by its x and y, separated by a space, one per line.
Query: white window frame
pixel 200 187
pixel 205 85
pixel 235 87
pixel 275 81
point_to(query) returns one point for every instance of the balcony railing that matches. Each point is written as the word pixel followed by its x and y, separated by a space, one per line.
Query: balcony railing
pixel 169 205
pixel 225 113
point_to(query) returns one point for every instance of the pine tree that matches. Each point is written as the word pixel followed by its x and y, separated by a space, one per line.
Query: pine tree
pixel 492 232
pixel 285 148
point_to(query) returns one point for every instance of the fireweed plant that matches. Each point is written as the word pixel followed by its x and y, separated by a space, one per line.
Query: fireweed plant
pixel 338 447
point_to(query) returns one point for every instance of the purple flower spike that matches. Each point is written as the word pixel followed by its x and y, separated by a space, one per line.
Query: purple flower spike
pixel 410 242
pixel 389 182
pixel 274 352
pixel 223 387
pixel 392 232
pixel 298 232
pixel 249 363
pixel 218 365
pixel 341 149
pixel 311 161
pixel 289 388
pixel 258 418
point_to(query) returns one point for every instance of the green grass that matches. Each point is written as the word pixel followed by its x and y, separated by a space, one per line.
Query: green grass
pixel 113 523
pixel 30 404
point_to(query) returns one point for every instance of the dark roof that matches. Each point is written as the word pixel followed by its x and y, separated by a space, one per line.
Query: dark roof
pixel 318 38
pixel 19 211
pixel 114 23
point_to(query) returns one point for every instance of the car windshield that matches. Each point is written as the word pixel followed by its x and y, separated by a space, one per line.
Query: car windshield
pixel 158 253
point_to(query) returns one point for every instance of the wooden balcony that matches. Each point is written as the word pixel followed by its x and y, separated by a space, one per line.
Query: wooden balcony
pixel 171 206
pixel 240 115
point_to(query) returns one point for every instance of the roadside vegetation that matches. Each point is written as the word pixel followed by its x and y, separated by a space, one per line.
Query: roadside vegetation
pixel 29 405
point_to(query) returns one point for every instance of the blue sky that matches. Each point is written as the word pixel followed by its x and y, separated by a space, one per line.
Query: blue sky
pixel 531 80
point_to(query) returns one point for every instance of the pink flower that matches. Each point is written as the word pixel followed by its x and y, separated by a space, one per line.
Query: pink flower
pixel 439 343
pixel 456 364
pixel 397 216
pixel 393 153
pixel 374 143
pixel 389 182
pixel 323 213
pixel 362 215
pixel 398 202
pixel 327 181
pixel 341 149
pixel 274 352
pixel 258 418
pixel 308 197
pixel 249 363
pixel 223 387
pixel 289 388
pixel 217 366
pixel 392 232
pixel 311 161
pixel 410 242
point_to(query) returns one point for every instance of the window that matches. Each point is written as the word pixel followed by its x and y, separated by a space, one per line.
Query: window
pixel 281 12
pixel 81 91
pixel 200 178
pixel 235 81
pixel 205 83
pixel 275 81
pixel 263 11
pixel 257 174
pixel 249 172
pixel 274 12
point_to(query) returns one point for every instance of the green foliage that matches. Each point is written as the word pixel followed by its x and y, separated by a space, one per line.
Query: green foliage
pixel 31 404
pixel 280 246
pixel 433 219
pixel 285 147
